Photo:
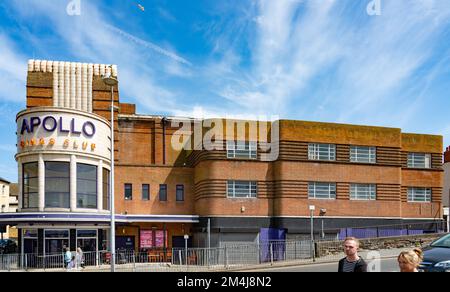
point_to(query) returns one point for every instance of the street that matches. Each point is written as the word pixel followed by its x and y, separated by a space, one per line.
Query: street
pixel 386 265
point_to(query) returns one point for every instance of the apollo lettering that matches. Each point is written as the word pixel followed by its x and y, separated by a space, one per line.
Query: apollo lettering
pixel 51 124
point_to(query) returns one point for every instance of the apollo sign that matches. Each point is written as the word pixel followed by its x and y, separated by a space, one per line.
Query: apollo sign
pixel 62 130
pixel 51 124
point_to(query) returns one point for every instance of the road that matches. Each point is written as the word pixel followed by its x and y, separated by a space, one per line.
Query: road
pixel 385 265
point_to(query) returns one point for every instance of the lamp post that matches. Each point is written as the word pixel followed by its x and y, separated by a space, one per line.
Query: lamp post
pixel 311 209
pixel 112 81
pixel 322 213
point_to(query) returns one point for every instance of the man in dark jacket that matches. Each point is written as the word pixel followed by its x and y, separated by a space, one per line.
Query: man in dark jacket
pixel 352 262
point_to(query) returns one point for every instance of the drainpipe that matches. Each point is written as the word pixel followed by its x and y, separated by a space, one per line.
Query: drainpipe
pixel 164 119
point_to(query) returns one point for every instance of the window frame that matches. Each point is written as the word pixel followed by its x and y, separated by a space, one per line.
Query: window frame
pixel 58 178
pixel 316 152
pixel 130 198
pixel 90 180
pixel 411 162
pixel 162 194
pixel 331 186
pixel 411 196
pixel 356 158
pixel 148 192
pixel 180 188
pixel 235 151
pixel 27 194
pixel 369 197
pixel 252 189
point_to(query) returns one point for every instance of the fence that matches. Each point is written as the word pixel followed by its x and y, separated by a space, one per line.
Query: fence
pixel 225 257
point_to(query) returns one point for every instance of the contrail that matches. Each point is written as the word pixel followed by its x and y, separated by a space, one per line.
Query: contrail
pixel 148 45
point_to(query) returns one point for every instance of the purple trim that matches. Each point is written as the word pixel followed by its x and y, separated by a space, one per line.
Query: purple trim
pixel 94 217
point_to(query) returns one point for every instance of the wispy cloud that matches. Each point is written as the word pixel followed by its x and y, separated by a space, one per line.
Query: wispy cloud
pixel 12 71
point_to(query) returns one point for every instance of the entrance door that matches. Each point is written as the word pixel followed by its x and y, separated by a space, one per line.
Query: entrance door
pixel 125 249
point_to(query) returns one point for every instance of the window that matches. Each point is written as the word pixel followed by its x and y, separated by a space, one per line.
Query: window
pixel 319 190
pixel 322 152
pixel 419 160
pixel 241 149
pixel 128 191
pixel 30 185
pixel 162 193
pixel 363 192
pixel 419 195
pixel 241 189
pixel 145 192
pixel 86 186
pixel 57 185
pixel 106 190
pixel 180 193
pixel 363 154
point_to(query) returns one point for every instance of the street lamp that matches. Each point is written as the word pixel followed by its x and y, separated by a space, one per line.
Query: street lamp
pixel 186 237
pixel 311 209
pixel 322 213
pixel 112 81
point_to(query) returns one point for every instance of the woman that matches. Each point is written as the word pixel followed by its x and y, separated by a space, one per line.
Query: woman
pixel 79 259
pixel 409 261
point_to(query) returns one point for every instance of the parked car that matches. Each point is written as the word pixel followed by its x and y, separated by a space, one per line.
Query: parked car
pixel 7 246
pixel 437 256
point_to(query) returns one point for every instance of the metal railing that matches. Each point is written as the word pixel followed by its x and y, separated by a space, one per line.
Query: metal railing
pixel 227 256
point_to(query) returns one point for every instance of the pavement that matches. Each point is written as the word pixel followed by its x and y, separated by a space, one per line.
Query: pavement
pixel 382 260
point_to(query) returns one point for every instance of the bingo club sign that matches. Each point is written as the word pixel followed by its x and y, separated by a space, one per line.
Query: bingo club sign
pixel 61 131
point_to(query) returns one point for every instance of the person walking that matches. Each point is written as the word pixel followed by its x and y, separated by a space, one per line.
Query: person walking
pixel 352 262
pixel 409 261
pixel 79 259
pixel 67 258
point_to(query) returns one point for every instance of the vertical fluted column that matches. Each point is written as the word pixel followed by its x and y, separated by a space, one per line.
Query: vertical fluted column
pixel 41 183
pixel 73 85
pixel 100 186
pixel 20 184
pixel 61 84
pixel 73 183
pixel 90 73
pixel 84 87
pixel 79 85
pixel 55 84
pixel 66 84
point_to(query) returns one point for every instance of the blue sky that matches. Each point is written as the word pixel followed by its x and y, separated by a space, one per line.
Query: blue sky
pixel 319 60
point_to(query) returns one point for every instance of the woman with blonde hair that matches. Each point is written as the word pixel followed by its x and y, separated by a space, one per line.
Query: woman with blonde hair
pixel 410 260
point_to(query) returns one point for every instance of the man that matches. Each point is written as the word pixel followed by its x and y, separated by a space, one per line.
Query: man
pixel 352 262
pixel 67 258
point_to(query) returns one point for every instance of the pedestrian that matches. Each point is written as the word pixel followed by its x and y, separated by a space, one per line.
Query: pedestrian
pixel 79 258
pixel 409 260
pixel 352 262
pixel 67 258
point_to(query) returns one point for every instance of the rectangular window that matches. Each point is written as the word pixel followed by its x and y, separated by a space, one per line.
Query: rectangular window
pixel 419 160
pixel 419 195
pixel 145 192
pixel 57 184
pixel 106 190
pixel 180 193
pixel 320 190
pixel 242 189
pixel 162 193
pixel 241 149
pixel 363 154
pixel 30 185
pixel 128 192
pixel 363 192
pixel 86 186
pixel 326 152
